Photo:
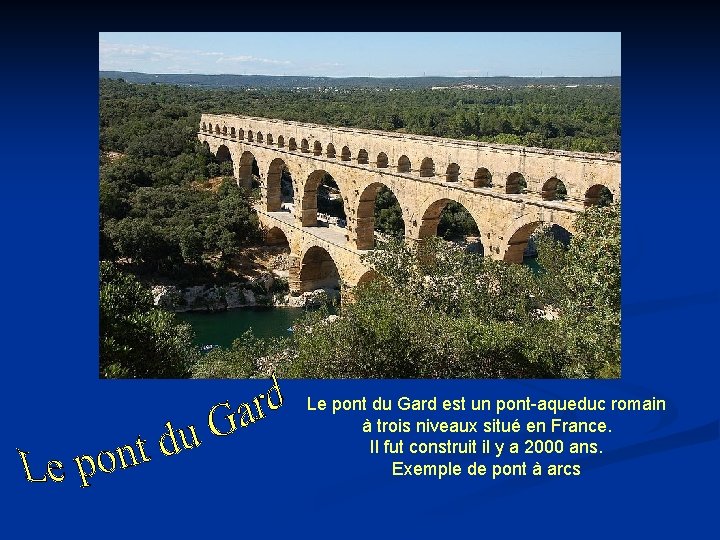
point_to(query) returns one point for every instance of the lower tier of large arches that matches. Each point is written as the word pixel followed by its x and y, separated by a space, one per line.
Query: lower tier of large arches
pixel 323 258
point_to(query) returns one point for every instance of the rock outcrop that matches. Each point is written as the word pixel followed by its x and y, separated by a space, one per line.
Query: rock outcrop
pixel 265 290
pixel 261 291
pixel 314 298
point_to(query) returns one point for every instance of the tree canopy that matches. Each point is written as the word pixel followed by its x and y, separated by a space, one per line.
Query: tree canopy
pixel 138 340
pixel 586 118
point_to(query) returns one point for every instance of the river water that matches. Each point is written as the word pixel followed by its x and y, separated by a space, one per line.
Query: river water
pixel 222 327
pixel 533 264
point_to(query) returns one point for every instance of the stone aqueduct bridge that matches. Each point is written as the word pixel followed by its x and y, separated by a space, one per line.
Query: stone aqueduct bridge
pixel 424 173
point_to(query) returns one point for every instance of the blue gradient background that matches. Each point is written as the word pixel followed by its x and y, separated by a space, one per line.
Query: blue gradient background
pixel 311 475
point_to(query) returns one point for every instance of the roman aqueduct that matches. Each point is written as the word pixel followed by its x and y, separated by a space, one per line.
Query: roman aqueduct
pixel 509 190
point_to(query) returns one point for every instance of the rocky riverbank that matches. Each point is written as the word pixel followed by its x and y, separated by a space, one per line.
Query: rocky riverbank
pixel 265 290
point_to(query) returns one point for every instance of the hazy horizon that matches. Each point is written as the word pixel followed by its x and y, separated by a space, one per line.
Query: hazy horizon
pixel 371 76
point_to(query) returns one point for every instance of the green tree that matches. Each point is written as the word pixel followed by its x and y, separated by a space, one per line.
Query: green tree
pixel 388 214
pixel 456 223
pixel 249 356
pixel 139 240
pixel 591 308
pixel 436 311
pixel 138 340
pixel 582 284
pixel 191 245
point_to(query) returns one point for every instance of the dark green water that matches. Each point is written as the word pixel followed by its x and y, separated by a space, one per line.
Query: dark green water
pixel 533 264
pixel 222 327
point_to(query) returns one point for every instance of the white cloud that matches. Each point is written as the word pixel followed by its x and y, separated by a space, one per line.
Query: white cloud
pixel 250 59
pixel 159 58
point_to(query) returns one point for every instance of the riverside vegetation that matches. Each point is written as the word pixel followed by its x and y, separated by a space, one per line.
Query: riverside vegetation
pixel 439 312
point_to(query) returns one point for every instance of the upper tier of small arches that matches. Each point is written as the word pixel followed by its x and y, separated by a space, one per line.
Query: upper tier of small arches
pixel 549 186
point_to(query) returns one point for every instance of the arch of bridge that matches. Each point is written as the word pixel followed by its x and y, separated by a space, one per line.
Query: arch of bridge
pixel 347 261
pixel 514 236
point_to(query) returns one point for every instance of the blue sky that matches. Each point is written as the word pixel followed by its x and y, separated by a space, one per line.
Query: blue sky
pixel 372 54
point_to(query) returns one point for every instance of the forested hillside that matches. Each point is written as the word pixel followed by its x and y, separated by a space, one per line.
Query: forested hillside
pixel 293 81
pixel 582 118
